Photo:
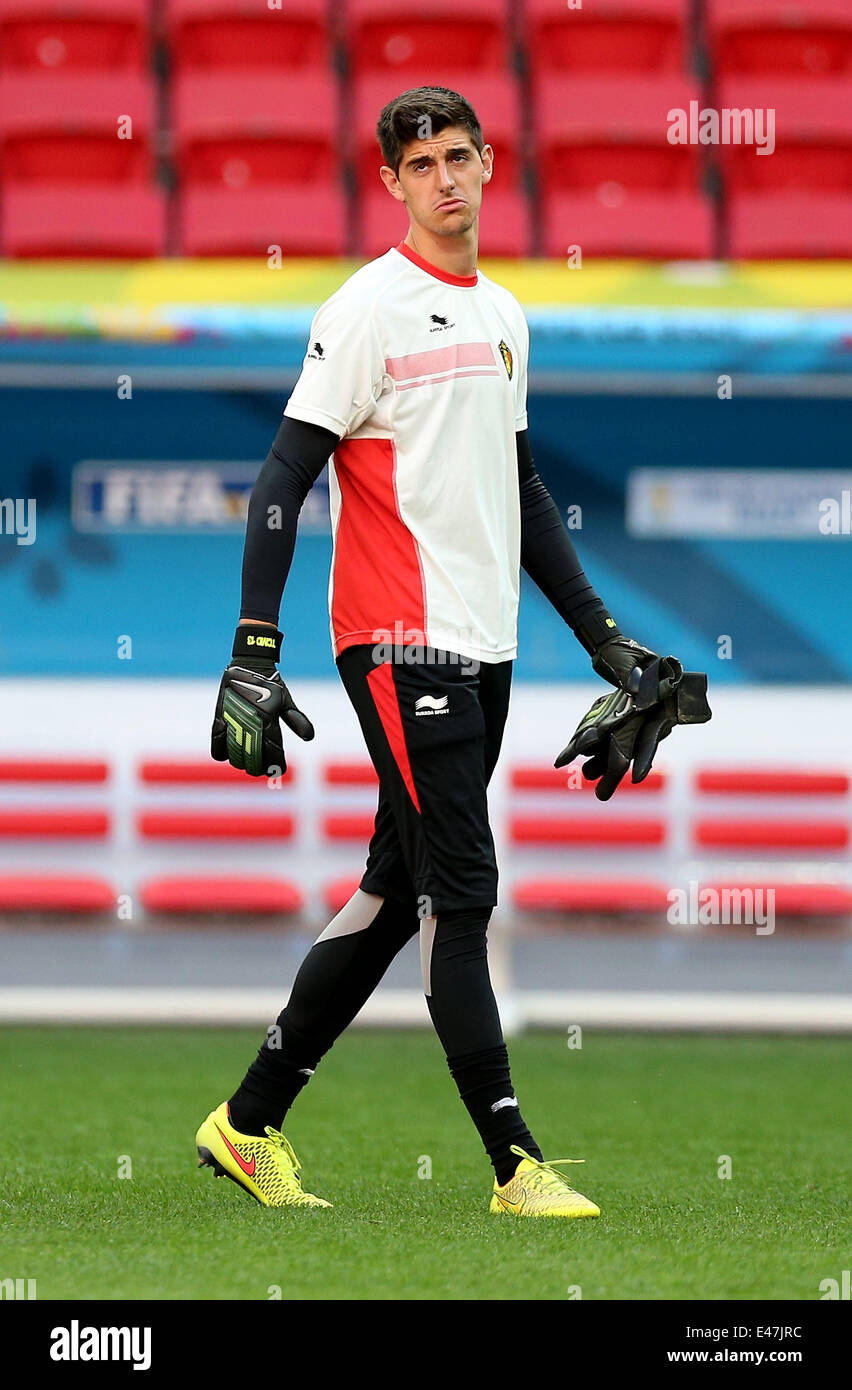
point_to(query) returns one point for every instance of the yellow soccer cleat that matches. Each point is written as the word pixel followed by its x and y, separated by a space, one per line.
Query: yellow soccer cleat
pixel 538 1190
pixel 267 1168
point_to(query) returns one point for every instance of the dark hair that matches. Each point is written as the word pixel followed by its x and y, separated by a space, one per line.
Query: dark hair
pixel 418 111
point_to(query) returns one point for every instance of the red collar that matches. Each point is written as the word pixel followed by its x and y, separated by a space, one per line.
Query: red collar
pixel 466 280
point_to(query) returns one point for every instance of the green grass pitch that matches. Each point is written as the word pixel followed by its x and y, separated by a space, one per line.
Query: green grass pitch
pixel 651 1115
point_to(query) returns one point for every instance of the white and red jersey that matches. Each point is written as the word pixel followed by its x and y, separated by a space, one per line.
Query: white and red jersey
pixel 424 375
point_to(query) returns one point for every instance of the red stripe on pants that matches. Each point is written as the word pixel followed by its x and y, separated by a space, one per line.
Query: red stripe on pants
pixel 383 691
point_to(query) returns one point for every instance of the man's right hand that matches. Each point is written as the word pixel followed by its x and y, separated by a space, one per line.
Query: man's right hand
pixel 252 699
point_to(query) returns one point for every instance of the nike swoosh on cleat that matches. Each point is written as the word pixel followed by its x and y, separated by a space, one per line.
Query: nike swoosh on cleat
pixel 248 1168
pixel 515 1207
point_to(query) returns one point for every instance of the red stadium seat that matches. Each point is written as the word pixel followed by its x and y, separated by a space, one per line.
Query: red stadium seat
pixel 666 225
pixel 796 899
pixel 349 825
pixel 349 774
pixel 775 36
pixel 504 224
pixel 604 131
pixel 246 222
pixel 53 770
pixel 240 129
pixel 791 835
pixel 203 771
pixel 419 39
pixel 380 223
pixel 770 781
pixel 495 98
pixel 607 35
pixel 587 830
pixel 789 226
pixel 38 823
pixel 214 894
pixel 248 34
pixel 61 34
pixel 55 893
pixel 82 220
pixel 812 138
pixel 338 892
pixel 588 895
pixel 213 825
pixel 73 127
pixel 543 777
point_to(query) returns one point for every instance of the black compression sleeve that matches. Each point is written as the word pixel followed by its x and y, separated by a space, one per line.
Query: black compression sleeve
pixel 549 557
pixel 298 455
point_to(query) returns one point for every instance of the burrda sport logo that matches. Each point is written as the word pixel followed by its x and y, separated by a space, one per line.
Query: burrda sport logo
pixel 432 704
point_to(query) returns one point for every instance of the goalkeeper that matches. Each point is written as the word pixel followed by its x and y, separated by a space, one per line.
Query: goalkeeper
pixel 413 390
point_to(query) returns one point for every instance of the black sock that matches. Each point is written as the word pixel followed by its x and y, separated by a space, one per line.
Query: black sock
pixel 464 1011
pixel 334 981
pixel 485 1086
pixel 268 1089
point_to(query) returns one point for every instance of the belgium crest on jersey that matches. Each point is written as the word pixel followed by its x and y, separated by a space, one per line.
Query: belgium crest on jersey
pixel 506 353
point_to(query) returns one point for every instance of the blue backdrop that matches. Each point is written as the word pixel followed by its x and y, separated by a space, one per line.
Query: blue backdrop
pixel 68 598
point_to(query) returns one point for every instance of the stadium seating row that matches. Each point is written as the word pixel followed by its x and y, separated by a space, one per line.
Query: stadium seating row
pixel 710 781
pixel 249 152
pixel 237 131
pixel 790 839
pixel 405 36
pixel 56 220
pixel 253 121
pixel 205 896
pixel 793 835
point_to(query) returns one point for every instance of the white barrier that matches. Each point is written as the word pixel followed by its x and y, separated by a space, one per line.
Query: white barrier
pixel 124 721
pixel 713 1011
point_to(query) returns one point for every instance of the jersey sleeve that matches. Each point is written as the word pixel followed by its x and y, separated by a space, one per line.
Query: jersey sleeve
pixel 343 370
pixel 522 373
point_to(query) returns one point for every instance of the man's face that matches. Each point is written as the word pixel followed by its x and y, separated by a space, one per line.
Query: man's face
pixel 441 180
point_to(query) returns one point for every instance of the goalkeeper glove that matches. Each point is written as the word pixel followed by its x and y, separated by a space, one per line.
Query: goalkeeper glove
pixel 617 661
pixel 614 657
pixel 627 727
pixel 252 698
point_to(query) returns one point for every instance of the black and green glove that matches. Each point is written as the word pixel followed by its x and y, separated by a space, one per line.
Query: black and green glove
pixel 252 700
pixel 629 725
pixel 617 660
